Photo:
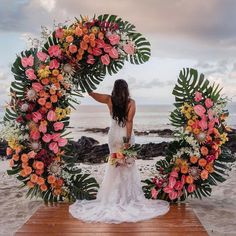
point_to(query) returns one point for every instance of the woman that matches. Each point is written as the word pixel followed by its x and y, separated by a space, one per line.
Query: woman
pixel 120 197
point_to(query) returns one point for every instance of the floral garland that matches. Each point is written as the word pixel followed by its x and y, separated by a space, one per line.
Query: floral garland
pixel 73 59
pixel 196 159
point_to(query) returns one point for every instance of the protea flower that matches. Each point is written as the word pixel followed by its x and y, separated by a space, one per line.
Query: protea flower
pixel 55 168
pixel 31 95
pixel 35 145
pixel 194 172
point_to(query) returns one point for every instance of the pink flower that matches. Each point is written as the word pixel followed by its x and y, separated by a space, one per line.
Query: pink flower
pixel 191 188
pixel 210 114
pixel 54 50
pixel 199 110
pixel 172 182
pixel 62 142
pixel 73 48
pixel 203 124
pixel 167 189
pixel 97 51
pixel 105 59
pixel 178 185
pixel 42 56
pixel 37 86
pixel 30 74
pixel 113 53
pixel 90 60
pixel 47 138
pixel 198 96
pixel 31 154
pixel 100 43
pixel 58 126
pixel 154 193
pixel 53 64
pixel 129 48
pixel 59 33
pixel 114 39
pixel 173 195
pixel 27 61
pixel 183 179
pixel 174 173
pixel 51 116
pixel 34 134
pixel 36 116
pixel 210 158
pixel 56 136
pixel 43 128
pixel 107 48
pixel 54 147
pixel 208 103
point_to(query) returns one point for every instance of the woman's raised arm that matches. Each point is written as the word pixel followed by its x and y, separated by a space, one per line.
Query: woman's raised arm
pixel 102 98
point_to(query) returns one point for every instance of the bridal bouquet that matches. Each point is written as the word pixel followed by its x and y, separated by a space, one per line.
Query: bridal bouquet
pixel 125 157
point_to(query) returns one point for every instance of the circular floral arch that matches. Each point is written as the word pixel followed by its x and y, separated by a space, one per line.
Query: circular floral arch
pixel 74 59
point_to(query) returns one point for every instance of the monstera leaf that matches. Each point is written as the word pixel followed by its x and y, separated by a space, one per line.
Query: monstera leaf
pixel 189 81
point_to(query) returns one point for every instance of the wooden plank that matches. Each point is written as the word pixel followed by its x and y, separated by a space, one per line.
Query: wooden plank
pixel 56 220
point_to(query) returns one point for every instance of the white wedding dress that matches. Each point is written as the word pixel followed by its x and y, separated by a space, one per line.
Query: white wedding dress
pixel 120 197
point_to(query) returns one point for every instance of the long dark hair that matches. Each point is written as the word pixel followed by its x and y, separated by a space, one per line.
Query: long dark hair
pixel 120 100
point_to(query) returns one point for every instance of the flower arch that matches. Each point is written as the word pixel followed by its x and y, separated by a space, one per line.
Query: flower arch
pixel 74 59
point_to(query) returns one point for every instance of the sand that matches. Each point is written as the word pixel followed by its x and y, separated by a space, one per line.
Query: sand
pixel 217 213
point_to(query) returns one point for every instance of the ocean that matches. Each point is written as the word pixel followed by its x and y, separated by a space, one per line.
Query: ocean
pixel 147 117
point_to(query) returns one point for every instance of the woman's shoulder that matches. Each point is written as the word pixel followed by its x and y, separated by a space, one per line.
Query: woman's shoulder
pixel 131 101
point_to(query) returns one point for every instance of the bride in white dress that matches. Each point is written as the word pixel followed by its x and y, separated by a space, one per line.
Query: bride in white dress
pixel 120 197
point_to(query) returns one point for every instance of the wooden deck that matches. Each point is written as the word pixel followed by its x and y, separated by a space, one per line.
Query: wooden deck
pixel 56 221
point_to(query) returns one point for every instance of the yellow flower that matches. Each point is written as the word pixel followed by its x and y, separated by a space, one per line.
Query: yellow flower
pixel 190 122
pixel 44 73
pixel 224 138
pixel 189 128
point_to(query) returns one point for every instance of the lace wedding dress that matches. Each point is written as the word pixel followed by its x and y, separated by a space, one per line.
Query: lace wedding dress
pixel 120 197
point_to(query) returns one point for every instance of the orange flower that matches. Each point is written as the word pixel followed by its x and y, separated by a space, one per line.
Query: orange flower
pixel 48 105
pixel 193 159
pixel 184 169
pixel 42 101
pixel 24 157
pixel 60 77
pixel 34 178
pixel 53 98
pixel 55 72
pixel 53 80
pixel 190 122
pixel 78 31
pixel 69 39
pixel 52 91
pixel 79 57
pixel 85 30
pixel 59 94
pixel 202 162
pixel 204 174
pixel 40 181
pixel 15 157
pixel 30 184
pixel 209 138
pixel 43 187
pixel 196 131
pixel 92 43
pixel 39 165
pixel 92 36
pixel 22 173
pixel 215 146
pixel 83 45
pixel 80 51
pixel 86 38
pixel 24 164
pixel 189 179
pixel 189 128
pixel 204 150
pixel 45 81
pixel 9 151
pixel 209 168
pixel 60 182
pixel 51 179
pixel 57 191
pixel 73 48
pixel 28 170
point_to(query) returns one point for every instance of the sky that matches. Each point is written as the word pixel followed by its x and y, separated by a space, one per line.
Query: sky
pixel 183 33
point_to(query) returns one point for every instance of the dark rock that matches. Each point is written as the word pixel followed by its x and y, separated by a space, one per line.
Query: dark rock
pixel 163 132
pixel 231 144
pixel 3 147
pixel 150 150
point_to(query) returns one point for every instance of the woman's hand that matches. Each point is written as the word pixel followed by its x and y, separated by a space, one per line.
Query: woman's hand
pixel 127 145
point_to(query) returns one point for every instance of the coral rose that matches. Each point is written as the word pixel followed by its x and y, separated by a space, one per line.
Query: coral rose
pixel 40 181
pixel 184 169
pixel 204 174
pixel 41 101
pixel 189 179
pixel 30 184
pixel 204 150
pixel 44 187
pixel 34 178
pixel 193 159
pixel 191 188
pixel 24 158
pixel 53 98
pixel 105 59
pixel 39 165
pixel 28 170
pixel 34 134
pixel 69 39
pixel 51 179
pixel 73 48
pixel 202 162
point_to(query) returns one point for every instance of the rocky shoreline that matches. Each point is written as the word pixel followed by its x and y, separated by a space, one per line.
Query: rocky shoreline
pixel 88 150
